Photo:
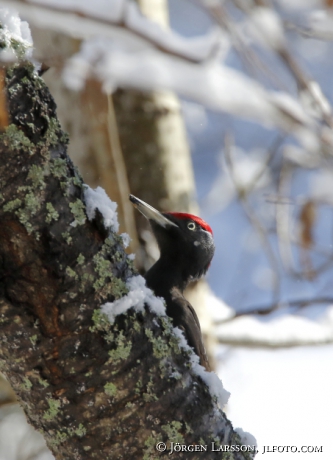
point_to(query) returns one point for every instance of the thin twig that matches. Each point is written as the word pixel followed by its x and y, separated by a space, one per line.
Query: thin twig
pixel 121 172
pixel 258 342
pixel 254 221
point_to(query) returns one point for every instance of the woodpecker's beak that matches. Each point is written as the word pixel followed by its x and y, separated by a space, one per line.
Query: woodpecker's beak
pixel 151 213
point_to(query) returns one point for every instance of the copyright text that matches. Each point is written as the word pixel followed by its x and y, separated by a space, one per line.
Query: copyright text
pixel 212 447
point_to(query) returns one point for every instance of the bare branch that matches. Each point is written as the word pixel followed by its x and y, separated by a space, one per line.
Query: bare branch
pixel 249 211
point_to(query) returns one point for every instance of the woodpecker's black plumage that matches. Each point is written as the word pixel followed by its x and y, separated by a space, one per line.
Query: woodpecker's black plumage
pixel 187 247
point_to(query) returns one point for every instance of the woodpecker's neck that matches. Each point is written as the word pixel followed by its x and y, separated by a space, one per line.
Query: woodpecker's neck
pixel 165 275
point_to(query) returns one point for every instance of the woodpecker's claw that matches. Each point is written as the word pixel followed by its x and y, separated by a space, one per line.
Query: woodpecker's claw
pixel 151 213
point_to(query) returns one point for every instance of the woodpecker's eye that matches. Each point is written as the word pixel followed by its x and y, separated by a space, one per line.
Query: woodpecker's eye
pixel 191 226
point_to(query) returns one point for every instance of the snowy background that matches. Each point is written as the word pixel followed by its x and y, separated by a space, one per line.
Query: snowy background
pixel 281 395
pixel 268 196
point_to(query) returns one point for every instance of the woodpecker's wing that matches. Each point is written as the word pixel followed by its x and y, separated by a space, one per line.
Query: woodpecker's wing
pixel 185 317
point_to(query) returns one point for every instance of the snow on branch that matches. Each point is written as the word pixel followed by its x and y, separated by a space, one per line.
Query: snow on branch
pixel 123 48
pixel 119 20
pixel 15 37
pixel 312 325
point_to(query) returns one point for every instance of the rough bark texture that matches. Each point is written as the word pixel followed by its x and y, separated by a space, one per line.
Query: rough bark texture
pixel 93 390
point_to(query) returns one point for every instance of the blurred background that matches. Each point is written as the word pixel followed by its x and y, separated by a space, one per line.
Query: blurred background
pixel 222 109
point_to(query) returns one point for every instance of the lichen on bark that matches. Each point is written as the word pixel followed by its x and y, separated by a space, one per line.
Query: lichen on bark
pixel 95 390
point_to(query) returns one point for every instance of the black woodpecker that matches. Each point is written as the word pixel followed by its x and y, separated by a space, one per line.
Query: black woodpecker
pixel 186 249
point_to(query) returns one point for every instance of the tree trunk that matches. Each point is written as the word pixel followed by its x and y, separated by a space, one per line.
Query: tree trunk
pixel 94 389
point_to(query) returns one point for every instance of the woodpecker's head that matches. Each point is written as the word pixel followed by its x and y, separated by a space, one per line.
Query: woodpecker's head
pixel 184 239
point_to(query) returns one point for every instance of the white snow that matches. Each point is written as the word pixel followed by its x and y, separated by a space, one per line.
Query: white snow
pixel 17 438
pixel 144 56
pixel 314 101
pixel 119 20
pixel 212 84
pixel 321 186
pixel 282 397
pixel 267 26
pixel 301 156
pixel 247 438
pixel 126 239
pixel 210 378
pixel 99 8
pixel 14 30
pixel 299 4
pixel 197 48
pixel 281 328
pixel 98 199
pixel 139 295
pixel 320 23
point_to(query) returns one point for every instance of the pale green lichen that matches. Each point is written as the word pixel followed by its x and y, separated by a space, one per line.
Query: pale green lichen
pixel 80 431
pixel 51 133
pixel 76 179
pixel 110 389
pixel 60 438
pixel 12 205
pixel 24 210
pixel 149 395
pixel 52 412
pixel 118 288
pixel 138 386
pixel 36 175
pixel 52 214
pixel 58 167
pixel 100 320
pixel 14 138
pixel 101 323
pixel 161 348
pixel 172 430
pixel 67 237
pixel 26 384
pixel 103 267
pixel 136 325
pixel 173 340
pixel 77 209
pixel 123 349
pixel 43 382
pixel 33 340
pixel 71 273
pixel 81 259
pixel 150 443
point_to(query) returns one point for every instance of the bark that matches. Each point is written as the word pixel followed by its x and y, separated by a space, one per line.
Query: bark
pixel 94 390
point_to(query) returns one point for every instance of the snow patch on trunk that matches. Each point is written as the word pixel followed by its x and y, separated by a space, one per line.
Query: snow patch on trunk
pixel 140 295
